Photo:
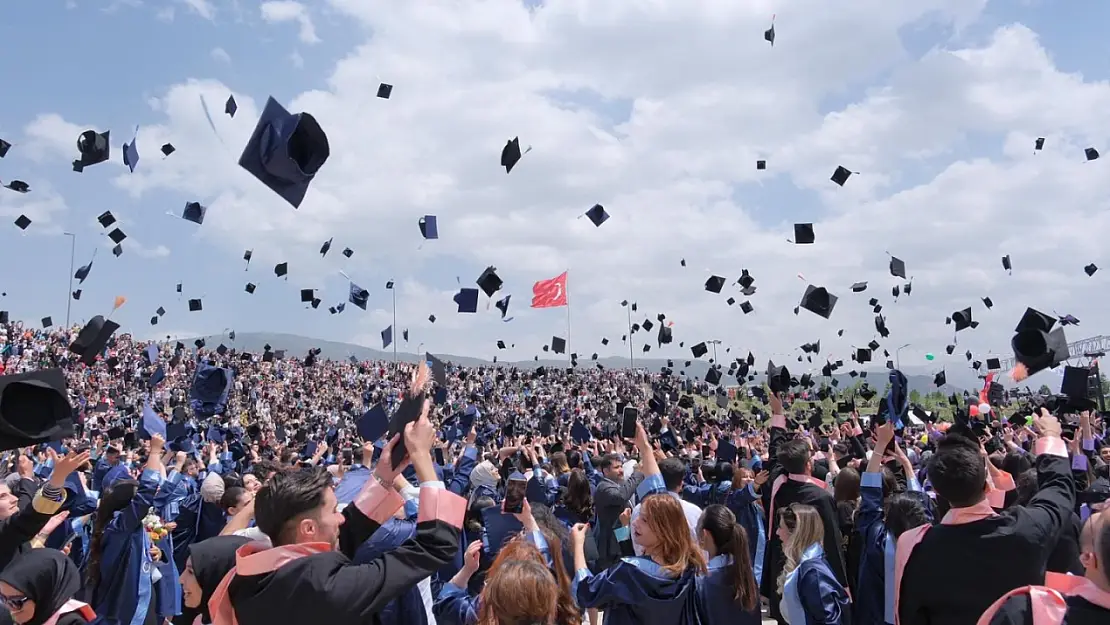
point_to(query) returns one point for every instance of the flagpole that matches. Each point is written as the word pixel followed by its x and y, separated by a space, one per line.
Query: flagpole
pixel 631 360
pixel 567 294
pixel 394 289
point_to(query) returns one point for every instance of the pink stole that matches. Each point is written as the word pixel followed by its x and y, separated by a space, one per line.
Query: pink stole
pixel 255 559
pixel 780 480
pixel 1048 603
pixel 910 539
pixel 72 606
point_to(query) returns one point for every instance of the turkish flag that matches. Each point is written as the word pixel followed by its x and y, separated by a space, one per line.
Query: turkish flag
pixel 550 293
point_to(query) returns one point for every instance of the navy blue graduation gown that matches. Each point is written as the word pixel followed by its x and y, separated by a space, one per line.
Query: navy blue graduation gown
pixel 745 505
pixel 716 601
pixel 636 591
pixel 407 609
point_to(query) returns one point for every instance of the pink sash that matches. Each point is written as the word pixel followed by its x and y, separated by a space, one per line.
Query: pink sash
pixel 72 606
pixel 1048 602
pixel 255 559
pixel 780 480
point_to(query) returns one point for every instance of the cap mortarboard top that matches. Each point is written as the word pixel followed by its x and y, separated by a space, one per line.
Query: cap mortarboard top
pixel 747 307
pixel 348 252
pixel 106 219
pixel 962 318
pixel 761 165
pixel 281 269
pixel 1090 269
pixel 769 35
pixel 489 282
pixel 819 301
pixel 4 147
pixel 714 284
pixel 841 175
pixel 1006 263
pixel 47 322
pixel 285 151
pixel 803 234
pixel 195 305
pixel 1038 144
pixel 168 149
pixel 194 212
pixel 117 236
pixel 92 339
pixel 597 215
pixel 18 186
pixel 988 303
pixel 429 229
pixel 93 148
pixel 859 287
pixel 250 287
pixel 940 379
pixel 230 107
pixel 467 300
pixel 558 345
pixel 307 295
pixel 510 154
pixel 34 409
pixel 22 222
pixel 1091 154
pixel 384 91
pixel 117 251
pixel 699 350
pixel 897 267
pixel 326 247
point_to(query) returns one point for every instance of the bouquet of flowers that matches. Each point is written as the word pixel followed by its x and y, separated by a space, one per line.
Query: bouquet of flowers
pixel 154 526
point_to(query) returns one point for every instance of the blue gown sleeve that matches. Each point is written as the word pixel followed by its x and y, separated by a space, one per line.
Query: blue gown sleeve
pixel 620 584
pixel 454 607
pixel 820 596
pixel 870 503
pixel 130 519
pixel 460 478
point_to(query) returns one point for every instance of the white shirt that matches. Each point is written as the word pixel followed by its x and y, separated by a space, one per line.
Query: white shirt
pixel 692 512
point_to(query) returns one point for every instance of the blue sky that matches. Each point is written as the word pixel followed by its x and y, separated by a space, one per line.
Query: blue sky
pixel 138 52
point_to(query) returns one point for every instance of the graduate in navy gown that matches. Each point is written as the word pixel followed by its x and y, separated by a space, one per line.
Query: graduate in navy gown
pixel 811 593
pixel 728 593
pixel 205 567
pixel 657 588
pixel 38 587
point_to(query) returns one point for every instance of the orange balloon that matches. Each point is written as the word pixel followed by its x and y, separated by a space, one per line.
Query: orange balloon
pixel 974 410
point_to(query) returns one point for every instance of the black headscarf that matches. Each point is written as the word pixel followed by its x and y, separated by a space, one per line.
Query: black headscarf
pixel 45 576
pixel 212 560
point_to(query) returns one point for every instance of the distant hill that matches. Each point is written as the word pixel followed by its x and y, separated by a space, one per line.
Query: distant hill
pixel 297 346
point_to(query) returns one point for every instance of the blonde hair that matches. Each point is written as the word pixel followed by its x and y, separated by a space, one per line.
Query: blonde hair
pixel 806 530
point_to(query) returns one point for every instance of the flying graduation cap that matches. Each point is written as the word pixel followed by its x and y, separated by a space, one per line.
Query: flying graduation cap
pixel 1091 153
pixel 769 34
pixel 358 295
pixel 168 149
pixel 194 212
pixel 93 147
pixel 230 106
pixel 503 305
pixel 387 337
pixel 511 154
pixel 597 215
pixel 285 151
pixel 326 247
pixel 131 152
pixel 22 222
pixel 841 175
pixel 385 90
pixel 93 338
pixel 428 227
pixel 34 409
pixel 18 186
pixel 803 234
pixel 4 147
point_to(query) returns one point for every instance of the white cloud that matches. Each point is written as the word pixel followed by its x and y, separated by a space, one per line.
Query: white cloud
pixel 276 11
pixel 202 8
pixel 221 55
pixel 690 98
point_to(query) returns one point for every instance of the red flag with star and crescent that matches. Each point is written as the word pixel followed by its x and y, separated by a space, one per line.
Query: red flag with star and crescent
pixel 550 293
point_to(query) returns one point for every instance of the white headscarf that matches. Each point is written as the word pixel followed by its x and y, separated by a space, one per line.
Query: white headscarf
pixel 485 474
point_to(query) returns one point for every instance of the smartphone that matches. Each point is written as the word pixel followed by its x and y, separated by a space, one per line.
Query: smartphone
pixel 514 494
pixel 407 412
pixel 438 451
pixel 628 424
pixel 69 541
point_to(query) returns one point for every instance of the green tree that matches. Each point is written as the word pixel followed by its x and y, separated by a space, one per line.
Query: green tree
pixel 915 397
pixel 1044 390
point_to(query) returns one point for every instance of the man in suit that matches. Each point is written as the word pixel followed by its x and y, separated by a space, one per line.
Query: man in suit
pixel 610 499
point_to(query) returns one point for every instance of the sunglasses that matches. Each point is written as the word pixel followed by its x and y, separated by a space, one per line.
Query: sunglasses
pixel 15 604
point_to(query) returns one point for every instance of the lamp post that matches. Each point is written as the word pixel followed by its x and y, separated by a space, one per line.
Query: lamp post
pixel 69 293
pixel 897 354
pixel 389 285
pixel 714 343
pixel 628 309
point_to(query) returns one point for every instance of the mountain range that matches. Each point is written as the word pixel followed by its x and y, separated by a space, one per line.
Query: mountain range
pixel 297 346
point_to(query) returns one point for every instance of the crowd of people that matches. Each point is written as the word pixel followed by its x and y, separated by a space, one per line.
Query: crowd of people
pixel 200 484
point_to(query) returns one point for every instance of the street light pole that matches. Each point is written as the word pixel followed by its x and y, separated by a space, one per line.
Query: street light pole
pixel 69 293
pixel 897 356
pixel 631 359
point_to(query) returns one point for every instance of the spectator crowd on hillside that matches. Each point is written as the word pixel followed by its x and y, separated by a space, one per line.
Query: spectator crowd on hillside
pixel 145 483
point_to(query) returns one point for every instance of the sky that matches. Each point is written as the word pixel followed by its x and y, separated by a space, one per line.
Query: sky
pixel 656 110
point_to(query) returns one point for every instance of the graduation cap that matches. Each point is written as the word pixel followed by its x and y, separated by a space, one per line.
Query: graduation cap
pixel 714 284
pixel 384 91
pixel 761 165
pixel 4 147
pixel 940 379
pixel 1090 269
pixel 1006 264
pixel 778 378
pixel 387 337
pixel 819 301
pixel 307 295
pixel 863 355
pixel 1036 345
pixel 558 345
pixel 194 212
pixel 348 252
pixel 195 305
pixel 77 294
pixel 151 423
pixel 769 35
pixel 117 251
pixel 92 339
pixel 597 215
pixel 897 267
pixel 510 154
pixel 250 288
pixel 503 305
pixel 841 175
pixel 22 222
pixel 428 227
pixel 1075 386
pixel 18 186
pixel 747 307
pixel 326 247
pixel 859 287
pixel 467 300
pixel 803 234
pixel 373 423
pixel 994 363
pixel 281 269
pixel 285 151
pixel 34 409
pixel 489 282
pixel 699 350
pixel 1038 144
pixel 131 154
pixel 1091 154
pixel 47 322
pixel 117 236
pixel 230 107
pixel 988 303
pixel 106 219
pixel 604 341
pixel 94 149
pixel 962 318
pixel 178 286
pixel 168 149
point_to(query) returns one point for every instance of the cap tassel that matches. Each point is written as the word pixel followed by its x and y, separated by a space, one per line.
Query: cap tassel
pixel 1019 372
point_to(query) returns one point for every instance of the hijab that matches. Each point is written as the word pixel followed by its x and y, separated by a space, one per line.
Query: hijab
pixel 483 475
pixel 47 577
pixel 212 560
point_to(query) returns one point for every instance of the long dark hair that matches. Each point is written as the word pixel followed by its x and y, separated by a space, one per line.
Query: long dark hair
pixel 730 538
pixel 578 498
pixel 114 498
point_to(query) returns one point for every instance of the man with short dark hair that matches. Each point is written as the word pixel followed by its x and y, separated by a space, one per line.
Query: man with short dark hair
pixel 303 578
pixel 610 500
pixel 950 573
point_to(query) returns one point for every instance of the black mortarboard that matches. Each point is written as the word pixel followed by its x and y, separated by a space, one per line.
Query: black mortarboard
pixel 250 288
pixel 117 236
pixel 940 379
pixel 558 345
pixel 962 318
pixel 859 287
pixel 1006 263
pixel 897 267
pixel 769 35
pixel 281 269
pixel 47 322
pixel 730 301
pixel 778 378
pixel 34 409
pixel 285 151
pixel 510 154
pixel 597 215
pixel 994 363
pixel 429 228
pixel 1090 269
pixel 94 149
pixel 987 302
pixel 348 252
pixel 863 355
pixel 803 234
pixel 747 307
pixel 467 300
pixel 4 147
pixel 168 149
pixel 761 165
pixel 77 294
pixel 819 301
pixel 18 186
pixel 713 376
pixel 22 222
pixel 106 219
pixel 178 285
pixel 194 212
pixel 230 107
pixel 699 350
pixel 1091 154
pixel 92 339
pixel 326 247
pixel 307 295
pixel 745 280
pixel 840 176
pixel 1036 345
pixel 384 91
pixel 714 284
pixel 895 291
pixel 1038 144
pixel 195 305
pixel 117 251
pixel 489 282
pixel 1075 386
